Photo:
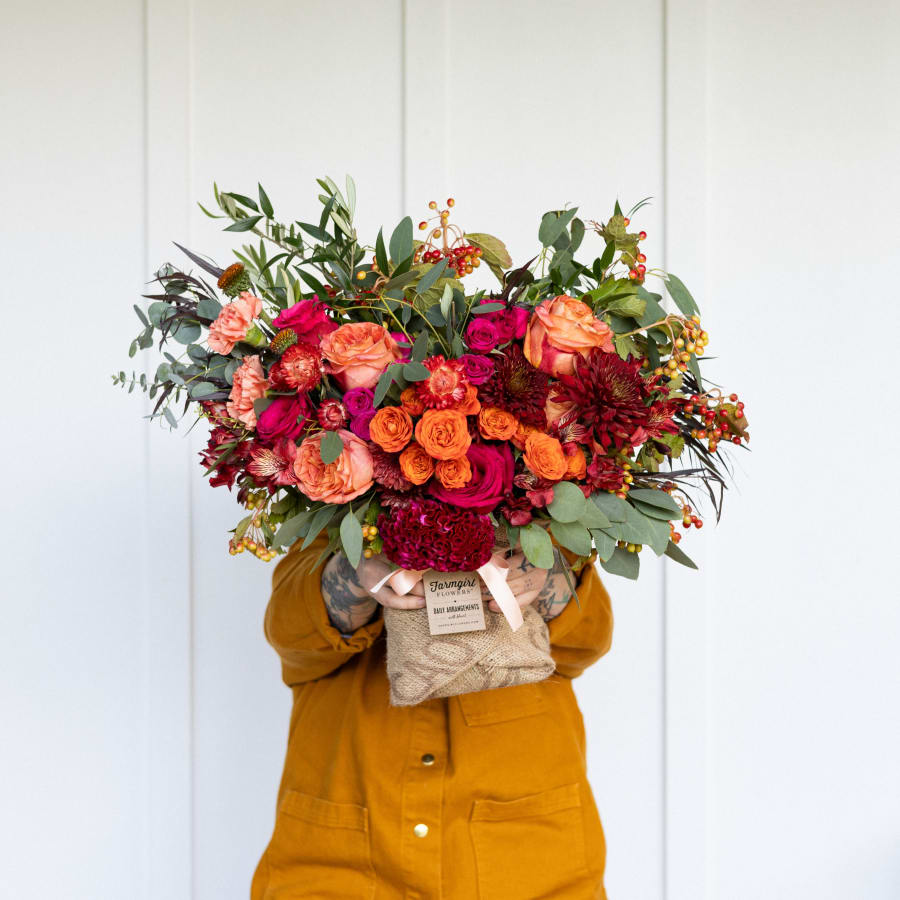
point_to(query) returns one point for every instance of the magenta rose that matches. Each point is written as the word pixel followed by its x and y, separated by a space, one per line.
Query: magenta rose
pixel 359 425
pixel 478 368
pixel 404 345
pixel 511 323
pixel 482 335
pixel 283 418
pixel 308 319
pixel 359 401
pixel 492 476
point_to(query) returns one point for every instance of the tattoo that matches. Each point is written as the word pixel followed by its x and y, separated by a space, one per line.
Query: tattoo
pixel 348 605
pixel 555 594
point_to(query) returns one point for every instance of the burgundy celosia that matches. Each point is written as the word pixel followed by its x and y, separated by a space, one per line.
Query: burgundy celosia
pixel 428 534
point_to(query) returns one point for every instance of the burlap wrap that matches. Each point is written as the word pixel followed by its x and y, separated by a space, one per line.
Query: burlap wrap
pixel 421 665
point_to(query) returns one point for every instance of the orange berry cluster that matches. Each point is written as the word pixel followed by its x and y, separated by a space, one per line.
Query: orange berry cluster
pixel 461 257
pixel 692 341
pixel 639 270
pixel 370 532
pixel 253 540
pixel 717 419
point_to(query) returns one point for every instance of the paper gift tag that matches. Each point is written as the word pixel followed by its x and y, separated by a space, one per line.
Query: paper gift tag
pixel 454 602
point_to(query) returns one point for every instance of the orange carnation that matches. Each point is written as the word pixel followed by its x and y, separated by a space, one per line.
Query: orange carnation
pixel 454 473
pixel 410 401
pixel 497 424
pixel 415 464
pixel 575 460
pixel 391 428
pixel 444 433
pixel 545 457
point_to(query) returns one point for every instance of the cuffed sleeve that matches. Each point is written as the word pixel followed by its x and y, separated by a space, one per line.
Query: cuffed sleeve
pixel 582 632
pixel 297 623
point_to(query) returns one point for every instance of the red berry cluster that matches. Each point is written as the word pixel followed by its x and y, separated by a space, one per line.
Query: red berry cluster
pixel 639 270
pixel 718 420
pixel 461 256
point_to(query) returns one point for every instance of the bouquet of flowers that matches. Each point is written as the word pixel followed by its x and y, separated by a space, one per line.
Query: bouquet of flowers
pixel 364 391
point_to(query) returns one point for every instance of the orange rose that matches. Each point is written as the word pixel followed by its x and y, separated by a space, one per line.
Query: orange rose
pixel 359 352
pixel 454 473
pixel 576 464
pixel 391 428
pixel 249 384
pixel 344 479
pixel 444 433
pixel 522 434
pixel 561 328
pixel 545 457
pixel 233 323
pixel 410 401
pixel 415 464
pixel 497 424
pixel 471 405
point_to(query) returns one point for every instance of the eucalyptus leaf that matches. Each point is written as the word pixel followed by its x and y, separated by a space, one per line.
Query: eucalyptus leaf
pixel 673 551
pixel 321 517
pixel 431 276
pixel 537 546
pixel 655 498
pixel 383 386
pixel 572 536
pixel 330 447
pixel 568 503
pixel 614 508
pixel 351 539
pixel 553 224
pixel 415 371
pixel 381 257
pixel 681 295
pixel 186 332
pixel 291 530
pixel 401 243
pixel 604 544
pixel 623 563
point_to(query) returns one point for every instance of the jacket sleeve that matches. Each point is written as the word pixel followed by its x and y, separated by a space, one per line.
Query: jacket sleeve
pixel 297 623
pixel 582 632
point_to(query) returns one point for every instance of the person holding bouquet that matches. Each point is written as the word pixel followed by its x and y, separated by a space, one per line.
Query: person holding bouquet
pixel 479 795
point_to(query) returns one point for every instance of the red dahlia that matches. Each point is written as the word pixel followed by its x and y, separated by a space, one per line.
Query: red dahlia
pixel 610 396
pixel 446 386
pixel 517 387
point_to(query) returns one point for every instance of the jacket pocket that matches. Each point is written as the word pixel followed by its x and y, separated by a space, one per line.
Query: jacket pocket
pixel 319 849
pixel 532 848
pixel 503 704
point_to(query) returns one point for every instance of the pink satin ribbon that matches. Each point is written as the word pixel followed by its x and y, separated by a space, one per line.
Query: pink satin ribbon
pixel 494 572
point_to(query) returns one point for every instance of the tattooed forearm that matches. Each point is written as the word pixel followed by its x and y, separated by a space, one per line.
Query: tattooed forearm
pixel 556 593
pixel 349 606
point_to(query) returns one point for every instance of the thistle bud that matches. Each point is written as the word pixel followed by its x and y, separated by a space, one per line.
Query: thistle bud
pixel 285 338
pixel 234 280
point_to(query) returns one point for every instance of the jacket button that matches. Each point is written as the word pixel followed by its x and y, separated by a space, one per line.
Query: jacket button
pixel 427 759
pixel 420 830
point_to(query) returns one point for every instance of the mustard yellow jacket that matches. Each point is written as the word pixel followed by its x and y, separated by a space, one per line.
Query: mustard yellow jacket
pixel 478 796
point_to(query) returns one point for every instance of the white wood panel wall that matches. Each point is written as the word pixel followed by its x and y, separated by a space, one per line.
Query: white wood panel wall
pixel 743 732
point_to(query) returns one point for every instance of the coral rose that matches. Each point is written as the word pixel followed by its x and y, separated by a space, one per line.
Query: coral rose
pixel 359 352
pixel 350 475
pixel 415 464
pixel 444 433
pixel 391 428
pixel 497 424
pixel 249 384
pixel 545 457
pixel 233 323
pixel 454 473
pixel 560 329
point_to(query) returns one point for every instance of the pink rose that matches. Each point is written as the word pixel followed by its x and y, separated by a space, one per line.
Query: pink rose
pixel 478 368
pixel 482 335
pixel 560 329
pixel 249 384
pixel 308 319
pixel 350 475
pixel 283 418
pixel 233 323
pixel 359 352
pixel 492 478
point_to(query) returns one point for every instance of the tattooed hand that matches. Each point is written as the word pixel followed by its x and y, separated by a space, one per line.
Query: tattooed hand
pixel 349 597
pixel 548 589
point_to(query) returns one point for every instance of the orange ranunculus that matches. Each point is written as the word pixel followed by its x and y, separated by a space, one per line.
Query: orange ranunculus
pixel 233 323
pixel 497 424
pixel 471 405
pixel 444 433
pixel 415 464
pixel 391 428
pixel 522 434
pixel 545 457
pixel 248 384
pixel 559 329
pixel 358 353
pixel 576 464
pixel 340 481
pixel 453 473
pixel 410 401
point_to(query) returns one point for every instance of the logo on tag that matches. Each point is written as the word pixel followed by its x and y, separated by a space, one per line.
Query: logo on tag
pixel 454 602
